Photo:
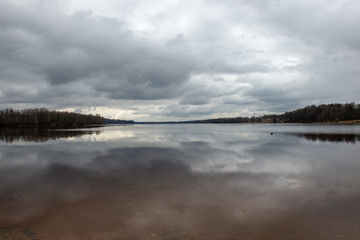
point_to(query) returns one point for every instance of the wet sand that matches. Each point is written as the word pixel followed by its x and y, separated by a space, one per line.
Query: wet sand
pixel 73 204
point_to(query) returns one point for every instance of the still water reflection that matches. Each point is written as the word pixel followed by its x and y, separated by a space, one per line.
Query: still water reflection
pixel 181 182
pixel 10 135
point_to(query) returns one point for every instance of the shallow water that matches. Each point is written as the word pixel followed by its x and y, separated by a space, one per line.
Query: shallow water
pixel 181 182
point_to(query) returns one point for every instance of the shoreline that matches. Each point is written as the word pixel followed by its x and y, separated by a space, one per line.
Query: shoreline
pixel 348 122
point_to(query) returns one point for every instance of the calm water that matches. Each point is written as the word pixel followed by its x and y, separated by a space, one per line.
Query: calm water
pixel 181 182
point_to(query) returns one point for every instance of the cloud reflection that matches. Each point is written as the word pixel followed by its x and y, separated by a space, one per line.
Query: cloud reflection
pixel 200 181
pixel 10 135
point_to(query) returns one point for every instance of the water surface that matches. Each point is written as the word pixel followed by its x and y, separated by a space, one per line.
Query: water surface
pixel 257 181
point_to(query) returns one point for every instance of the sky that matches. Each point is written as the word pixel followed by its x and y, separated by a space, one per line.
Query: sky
pixel 178 60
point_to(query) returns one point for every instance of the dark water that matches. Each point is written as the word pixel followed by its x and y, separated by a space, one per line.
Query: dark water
pixel 181 182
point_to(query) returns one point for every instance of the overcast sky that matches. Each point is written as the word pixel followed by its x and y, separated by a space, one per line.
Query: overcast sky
pixel 176 60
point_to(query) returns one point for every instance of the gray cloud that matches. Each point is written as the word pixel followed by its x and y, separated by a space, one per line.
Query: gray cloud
pixel 270 55
pixel 83 46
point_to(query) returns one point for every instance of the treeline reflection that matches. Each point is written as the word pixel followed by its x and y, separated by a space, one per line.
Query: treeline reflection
pixel 330 137
pixel 10 135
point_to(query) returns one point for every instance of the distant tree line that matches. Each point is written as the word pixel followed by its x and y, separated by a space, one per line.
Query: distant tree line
pixel 323 113
pixel 44 117
pixel 334 112
pixel 228 120
pixel 118 121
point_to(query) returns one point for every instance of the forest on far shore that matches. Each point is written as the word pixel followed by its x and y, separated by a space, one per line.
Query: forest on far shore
pixel 323 113
pixel 46 118
pixel 335 112
pixel 41 117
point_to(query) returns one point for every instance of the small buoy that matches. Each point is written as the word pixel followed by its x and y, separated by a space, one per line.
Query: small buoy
pixel 271 133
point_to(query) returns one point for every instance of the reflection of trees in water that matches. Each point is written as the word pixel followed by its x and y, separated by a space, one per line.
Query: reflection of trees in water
pixel 10 135
pixel 327 137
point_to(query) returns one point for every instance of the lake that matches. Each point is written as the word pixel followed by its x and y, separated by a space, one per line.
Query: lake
pixel 241 181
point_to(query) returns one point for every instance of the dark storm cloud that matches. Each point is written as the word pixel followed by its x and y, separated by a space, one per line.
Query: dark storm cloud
pixel 152 76
pixel 101 51
pixel 274 99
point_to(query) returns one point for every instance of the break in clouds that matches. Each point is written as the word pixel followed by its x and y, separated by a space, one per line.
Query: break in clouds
pixel 176 60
